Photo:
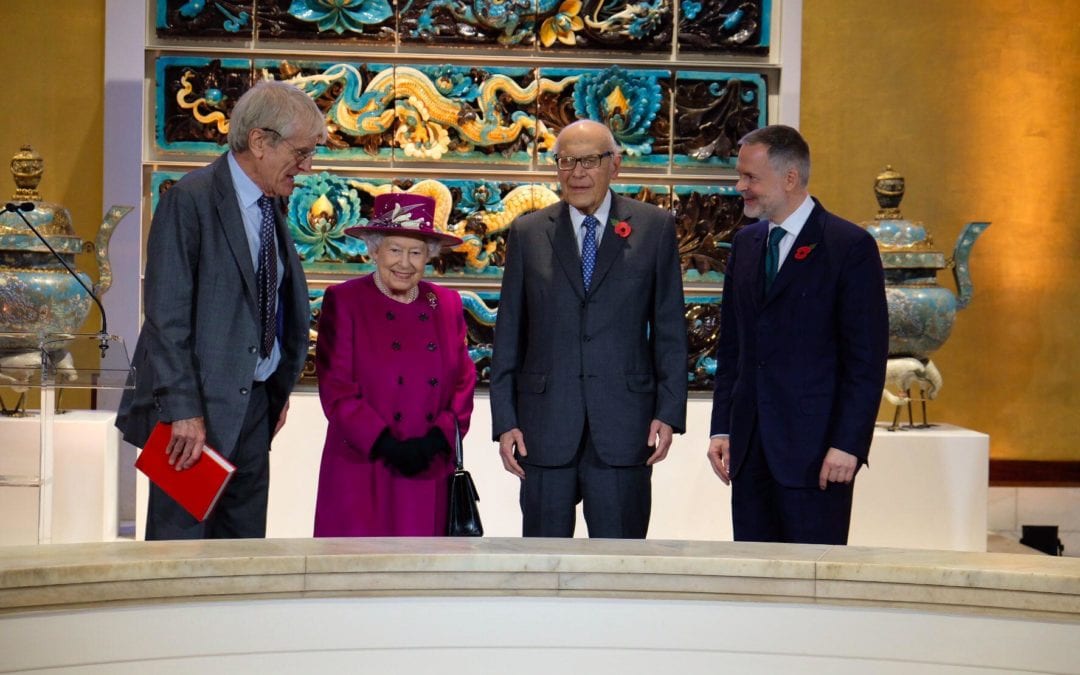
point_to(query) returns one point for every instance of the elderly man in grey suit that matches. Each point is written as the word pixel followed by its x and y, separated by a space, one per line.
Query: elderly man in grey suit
pixel 225 328
pixel 588 375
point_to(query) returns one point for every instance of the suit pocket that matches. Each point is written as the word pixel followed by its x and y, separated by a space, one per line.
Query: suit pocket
pixel 641 382
pixel 531 383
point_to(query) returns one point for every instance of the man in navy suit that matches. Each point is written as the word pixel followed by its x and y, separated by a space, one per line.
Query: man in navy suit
pixel 800 367
pixel 588 375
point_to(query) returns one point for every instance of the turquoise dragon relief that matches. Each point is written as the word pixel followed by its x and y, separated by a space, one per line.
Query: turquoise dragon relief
pixel 436 110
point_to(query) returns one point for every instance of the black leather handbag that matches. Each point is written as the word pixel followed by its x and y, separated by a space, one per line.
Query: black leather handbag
pixel 464 520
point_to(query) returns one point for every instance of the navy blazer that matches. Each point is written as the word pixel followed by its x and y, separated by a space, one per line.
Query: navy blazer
pixel 806 362
pixel 614 356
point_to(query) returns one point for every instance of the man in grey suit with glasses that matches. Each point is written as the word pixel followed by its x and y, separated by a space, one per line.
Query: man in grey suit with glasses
pixel 226 314
pixel 588 374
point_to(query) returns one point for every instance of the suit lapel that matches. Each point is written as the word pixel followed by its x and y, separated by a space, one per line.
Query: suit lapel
pixel 758 243
pixel 611 246
pixel 810 236
pixel 232 224
pixel 564 244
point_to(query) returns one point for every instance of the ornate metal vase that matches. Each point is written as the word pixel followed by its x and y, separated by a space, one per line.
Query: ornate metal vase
pixel 921 312
pixel 37 295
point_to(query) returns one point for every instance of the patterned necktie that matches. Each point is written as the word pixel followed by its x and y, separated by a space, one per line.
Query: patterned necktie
pixel 772 256
pixel 588 250
pixel 266 277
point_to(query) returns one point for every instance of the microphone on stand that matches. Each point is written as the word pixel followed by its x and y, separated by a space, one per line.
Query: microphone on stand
pixel 103 335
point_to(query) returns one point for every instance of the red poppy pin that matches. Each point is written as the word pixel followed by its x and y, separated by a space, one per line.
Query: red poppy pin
pixel 803 251
pixel 623 229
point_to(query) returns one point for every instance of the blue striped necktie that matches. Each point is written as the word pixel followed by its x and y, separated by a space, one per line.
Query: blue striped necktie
pixel 588 250
pixel 266 278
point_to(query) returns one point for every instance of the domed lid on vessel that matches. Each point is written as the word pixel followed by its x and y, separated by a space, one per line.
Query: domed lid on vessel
pixel 53 221
pixel 903 243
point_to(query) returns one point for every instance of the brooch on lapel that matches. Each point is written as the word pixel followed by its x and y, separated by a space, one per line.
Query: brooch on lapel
pixel 622 228
pixel 432 300
pixel 803 251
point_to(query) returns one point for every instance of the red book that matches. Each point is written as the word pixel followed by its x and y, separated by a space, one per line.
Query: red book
pixel 198 488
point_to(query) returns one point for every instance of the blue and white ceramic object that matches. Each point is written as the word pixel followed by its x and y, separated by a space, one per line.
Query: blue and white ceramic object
pixel 37 294
pixel 921 312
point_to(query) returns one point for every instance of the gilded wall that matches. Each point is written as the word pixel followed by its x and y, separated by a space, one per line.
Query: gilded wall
pixel 976 104
pixel 53 99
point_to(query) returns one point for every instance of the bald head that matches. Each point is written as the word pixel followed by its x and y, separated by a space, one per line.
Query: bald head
pixel 588 129
pixel 594 161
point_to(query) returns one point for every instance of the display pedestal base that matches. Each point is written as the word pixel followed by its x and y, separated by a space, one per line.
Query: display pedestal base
pixel 924 488
pixel 84 480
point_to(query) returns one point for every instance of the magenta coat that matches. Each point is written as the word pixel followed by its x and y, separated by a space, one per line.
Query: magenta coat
pixel 383 364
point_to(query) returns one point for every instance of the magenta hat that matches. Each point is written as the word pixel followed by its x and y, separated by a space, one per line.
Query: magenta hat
pixel 403 213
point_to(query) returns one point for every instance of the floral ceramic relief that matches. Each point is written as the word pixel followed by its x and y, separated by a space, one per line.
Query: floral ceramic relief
pixel 634 104
pixel 713 110
pixel 339 21
pixel 702 315
pixel 706 220
pixel 613 25
pixel 727 26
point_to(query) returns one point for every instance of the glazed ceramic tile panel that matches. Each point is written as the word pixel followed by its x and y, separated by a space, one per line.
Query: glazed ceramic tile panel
pixel 713 110
pixel 198 19
pixel 706 220
pixel 349 22
pixel 160 182
pixel 478 211
pixel 417 91
pixel 480 309
pixel 702 315
pixel 359 100
pixel 194 97
pixel 465 114
pixel 633 103
pixel 469 23
pixel 724 26
pixel 613 25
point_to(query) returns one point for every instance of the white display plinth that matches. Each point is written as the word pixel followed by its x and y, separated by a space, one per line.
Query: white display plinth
pixel 924 488
pixel 84 477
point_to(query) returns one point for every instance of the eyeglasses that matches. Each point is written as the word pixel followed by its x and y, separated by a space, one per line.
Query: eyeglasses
pixel 568 162
pixel 301 154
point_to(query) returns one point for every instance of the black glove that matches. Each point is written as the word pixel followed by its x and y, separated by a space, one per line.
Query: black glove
pixel 412 455
pixel 434 443
pixel 384 445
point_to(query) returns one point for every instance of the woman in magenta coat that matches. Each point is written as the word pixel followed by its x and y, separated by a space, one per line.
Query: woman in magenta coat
pixel 395 381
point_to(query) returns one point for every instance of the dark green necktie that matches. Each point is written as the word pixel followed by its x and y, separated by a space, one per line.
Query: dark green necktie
pixel 772 256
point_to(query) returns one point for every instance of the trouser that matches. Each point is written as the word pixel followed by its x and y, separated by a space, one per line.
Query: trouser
pixel 616 499
pixel 241 511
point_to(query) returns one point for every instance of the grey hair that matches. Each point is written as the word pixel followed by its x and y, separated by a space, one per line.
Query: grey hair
pixel 786 149
pixel 375 240
pixel 275 105
pixel 609 137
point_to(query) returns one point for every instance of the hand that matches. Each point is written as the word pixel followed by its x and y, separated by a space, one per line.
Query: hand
pixel 719 455
pixel 281 419
pixel 660 435
pixel 509 441
pixel 838 467
pixel 187 441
